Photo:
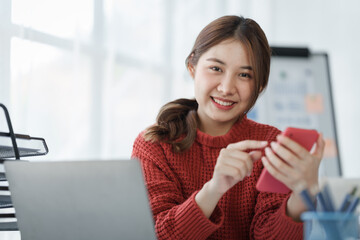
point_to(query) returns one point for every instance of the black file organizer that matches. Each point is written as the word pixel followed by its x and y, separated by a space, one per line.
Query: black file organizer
pixel 20 146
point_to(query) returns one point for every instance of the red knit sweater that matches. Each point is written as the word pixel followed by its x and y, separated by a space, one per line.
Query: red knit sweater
pixel 173 179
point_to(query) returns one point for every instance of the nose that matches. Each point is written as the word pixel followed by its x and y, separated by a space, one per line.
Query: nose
pixel 227 85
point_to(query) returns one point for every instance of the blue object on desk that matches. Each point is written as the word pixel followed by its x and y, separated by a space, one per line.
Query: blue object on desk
pixel 307 200
pixel 328 198
pixel 353 205
pixel 347 200
pixel 323 202
pixel 330 225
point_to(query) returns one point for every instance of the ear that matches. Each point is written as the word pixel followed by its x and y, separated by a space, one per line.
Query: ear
pixel 191 70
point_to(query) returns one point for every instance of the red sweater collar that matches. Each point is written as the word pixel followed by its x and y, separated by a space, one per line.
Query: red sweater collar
pixel 240 130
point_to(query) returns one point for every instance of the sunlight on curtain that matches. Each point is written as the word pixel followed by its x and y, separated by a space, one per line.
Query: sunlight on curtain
pixel 89 76
pixel 65 18
pixel 135 29
pixel 134 72
pixel 50 96
pixel 50 82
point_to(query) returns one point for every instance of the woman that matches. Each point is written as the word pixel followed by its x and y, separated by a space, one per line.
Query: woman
pixel 203 157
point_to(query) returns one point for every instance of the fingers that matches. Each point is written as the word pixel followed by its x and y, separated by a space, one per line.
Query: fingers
pixel 236 159
pixel 273 171
pixel 228 171
pixel 239 170
pixel 278 164
pixel 255 155
pixel 292 164
pixel 284 153
pixel 235 156
pixel 234 163
pixel 289 177
pixel 247 144
pixel 291 150
pixel 292 145
pixel 320 146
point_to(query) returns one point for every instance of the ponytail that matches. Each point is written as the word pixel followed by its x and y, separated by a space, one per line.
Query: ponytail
pixel 175 119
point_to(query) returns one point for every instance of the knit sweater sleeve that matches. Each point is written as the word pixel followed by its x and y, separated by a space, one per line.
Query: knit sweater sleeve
pixel 270 220
pixel 175 216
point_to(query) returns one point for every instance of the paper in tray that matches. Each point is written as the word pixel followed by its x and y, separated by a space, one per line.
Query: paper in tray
pixel 9 226
pixel 27 146
pixel 5 201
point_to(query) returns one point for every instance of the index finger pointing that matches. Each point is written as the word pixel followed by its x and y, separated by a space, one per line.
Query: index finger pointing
pixel 248 144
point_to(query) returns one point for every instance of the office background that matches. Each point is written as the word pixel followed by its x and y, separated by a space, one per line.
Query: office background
pixel 89 75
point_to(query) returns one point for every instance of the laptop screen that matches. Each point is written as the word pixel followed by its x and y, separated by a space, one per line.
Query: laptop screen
pixel 80 200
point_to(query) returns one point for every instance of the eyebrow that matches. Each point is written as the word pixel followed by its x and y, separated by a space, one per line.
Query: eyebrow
pixel 223 63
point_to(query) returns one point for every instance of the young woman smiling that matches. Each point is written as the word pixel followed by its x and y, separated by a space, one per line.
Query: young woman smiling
pixel 201 160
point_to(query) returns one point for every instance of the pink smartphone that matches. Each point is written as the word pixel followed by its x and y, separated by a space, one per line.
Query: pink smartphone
pixel 306 138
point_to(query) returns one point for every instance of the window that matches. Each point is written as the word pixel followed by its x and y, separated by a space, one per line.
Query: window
pixel 89 75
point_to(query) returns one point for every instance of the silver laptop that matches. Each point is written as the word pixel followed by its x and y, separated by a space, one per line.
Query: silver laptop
pixel 80 200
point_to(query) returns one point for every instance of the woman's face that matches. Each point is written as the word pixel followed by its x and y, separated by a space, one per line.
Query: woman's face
pixel 224 83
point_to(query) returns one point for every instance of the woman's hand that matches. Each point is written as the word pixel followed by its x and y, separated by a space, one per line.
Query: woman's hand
pixel 298 169
pixel 233 165
pixel 292 164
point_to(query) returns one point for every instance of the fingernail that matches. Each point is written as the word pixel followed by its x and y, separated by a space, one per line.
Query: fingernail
pixel 249 174
pixel 264 143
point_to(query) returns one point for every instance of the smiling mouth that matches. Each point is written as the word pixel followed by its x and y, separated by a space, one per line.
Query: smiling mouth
pixel 223 103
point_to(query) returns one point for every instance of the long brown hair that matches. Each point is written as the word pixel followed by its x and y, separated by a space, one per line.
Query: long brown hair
pixel 177 121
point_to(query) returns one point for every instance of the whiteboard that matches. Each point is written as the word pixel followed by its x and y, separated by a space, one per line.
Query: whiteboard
pixel 299 95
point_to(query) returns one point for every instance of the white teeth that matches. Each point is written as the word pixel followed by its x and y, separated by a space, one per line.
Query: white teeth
pixel 222 103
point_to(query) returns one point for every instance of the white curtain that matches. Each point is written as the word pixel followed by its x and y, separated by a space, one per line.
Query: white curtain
pixel 88 76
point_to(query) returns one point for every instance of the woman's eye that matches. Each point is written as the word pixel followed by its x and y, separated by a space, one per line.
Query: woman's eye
pixel 217 69
pixel 246 75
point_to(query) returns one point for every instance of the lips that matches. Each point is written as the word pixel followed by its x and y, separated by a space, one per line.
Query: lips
pixel 223 103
